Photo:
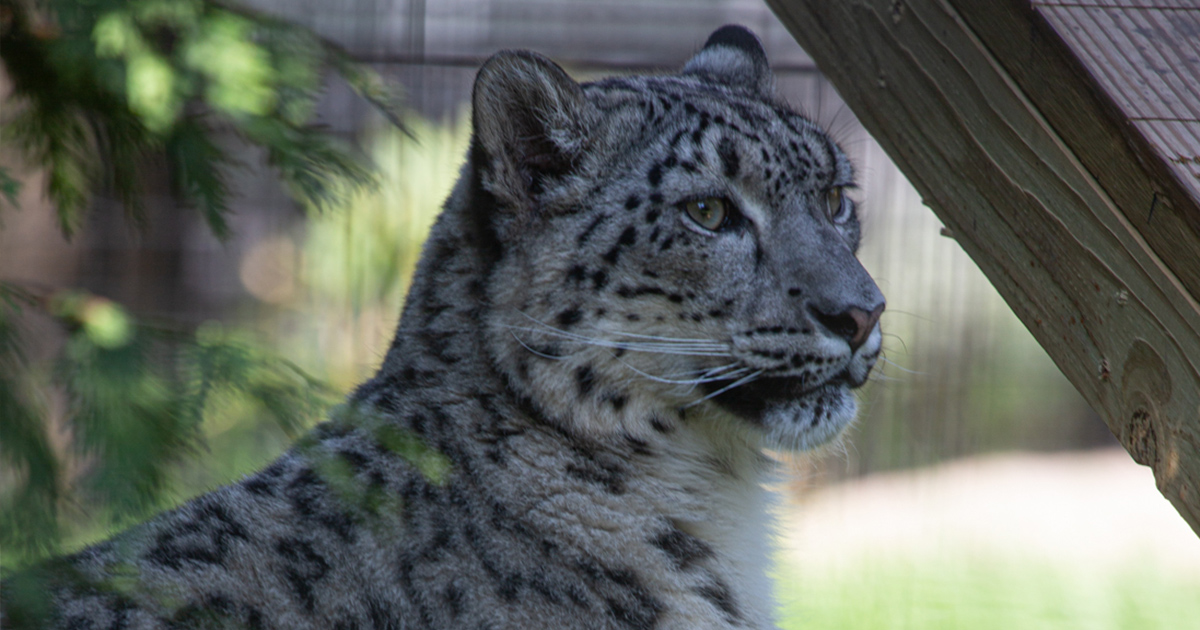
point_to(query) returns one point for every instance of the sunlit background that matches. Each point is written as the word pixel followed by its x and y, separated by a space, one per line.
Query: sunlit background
pixel 978 490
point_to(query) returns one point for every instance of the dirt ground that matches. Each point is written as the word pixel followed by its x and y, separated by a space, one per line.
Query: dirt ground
pixel 1083 509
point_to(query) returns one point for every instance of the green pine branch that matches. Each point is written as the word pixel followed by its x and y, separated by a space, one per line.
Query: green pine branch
pixel 101 87
pixel 137 396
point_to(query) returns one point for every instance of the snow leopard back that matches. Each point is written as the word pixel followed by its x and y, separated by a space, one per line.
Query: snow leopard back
pixel 636 286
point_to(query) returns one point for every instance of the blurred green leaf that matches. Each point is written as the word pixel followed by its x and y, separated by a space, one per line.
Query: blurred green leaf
pixel 198 168
pixel 220 361
pixel 150 90
pixel 315 166
pixel 388 98
pixel 169 13
pixel 108 325
pixel 125 410
pixel 137 398
pixel 238 71
pixel 432 463
pixel 9 187
pixel 28 523
pixel 116 35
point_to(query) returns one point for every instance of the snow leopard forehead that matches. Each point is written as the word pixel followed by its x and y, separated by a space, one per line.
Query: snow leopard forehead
pixel 758 138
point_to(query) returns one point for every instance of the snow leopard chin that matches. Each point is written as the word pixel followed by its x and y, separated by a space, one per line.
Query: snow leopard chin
pixel 806 424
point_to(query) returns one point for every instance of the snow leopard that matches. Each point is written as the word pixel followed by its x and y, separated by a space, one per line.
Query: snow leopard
pixel 639 288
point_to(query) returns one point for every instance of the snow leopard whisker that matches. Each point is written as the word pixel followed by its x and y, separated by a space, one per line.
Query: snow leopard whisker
pixel 634 345
pixel 685 381
pixel 917 316
pixel 553 357
pixel 686 341
pixel 706 375
pixel 738 383
pixel 900 367
pixel 709 375
pixel 647 348
pixel 704 372
pixel 898 338
pixel 728 371
pixel 657 348
pixel 671 339
pixel 722 377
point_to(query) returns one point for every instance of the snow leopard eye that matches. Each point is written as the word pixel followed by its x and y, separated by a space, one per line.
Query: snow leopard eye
pixel 837 205
pixel 710 213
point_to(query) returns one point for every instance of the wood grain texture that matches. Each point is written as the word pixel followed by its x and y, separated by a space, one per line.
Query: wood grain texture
pixel 1045 209
pixel 1148 61
pixel 1089 96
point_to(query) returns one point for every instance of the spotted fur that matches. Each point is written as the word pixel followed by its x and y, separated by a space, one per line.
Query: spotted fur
pixel 567 431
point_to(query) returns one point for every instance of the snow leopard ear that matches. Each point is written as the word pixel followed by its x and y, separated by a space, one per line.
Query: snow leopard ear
pixel 531 120
pixel 734 56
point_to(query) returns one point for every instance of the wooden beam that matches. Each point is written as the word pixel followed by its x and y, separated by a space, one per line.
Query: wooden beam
pixel 1108 138
pixel 1042 195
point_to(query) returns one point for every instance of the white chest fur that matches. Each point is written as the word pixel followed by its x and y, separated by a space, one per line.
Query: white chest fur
pixel 711 476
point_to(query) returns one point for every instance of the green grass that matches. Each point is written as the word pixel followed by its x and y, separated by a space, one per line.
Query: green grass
pixel 984 593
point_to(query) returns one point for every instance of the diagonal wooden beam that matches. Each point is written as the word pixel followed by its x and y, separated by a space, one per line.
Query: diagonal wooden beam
pixel 1045 184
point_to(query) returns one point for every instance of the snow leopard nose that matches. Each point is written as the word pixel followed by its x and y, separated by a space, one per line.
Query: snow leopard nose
pixel 853 324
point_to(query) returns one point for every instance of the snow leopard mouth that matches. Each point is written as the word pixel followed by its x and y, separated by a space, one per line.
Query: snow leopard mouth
pixel 752 399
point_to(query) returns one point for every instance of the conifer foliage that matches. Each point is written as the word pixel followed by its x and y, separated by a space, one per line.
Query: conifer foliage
pixel 98 88
pixel 98 85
